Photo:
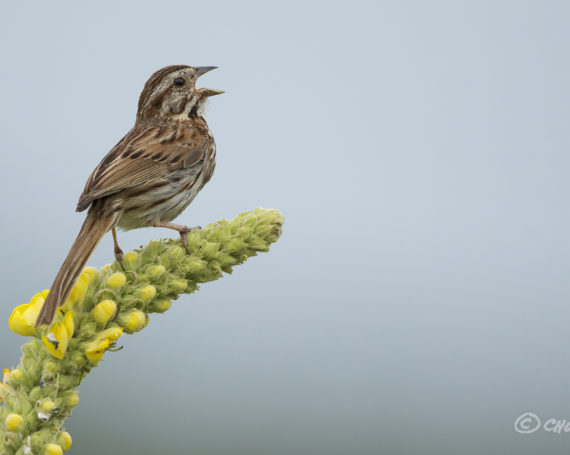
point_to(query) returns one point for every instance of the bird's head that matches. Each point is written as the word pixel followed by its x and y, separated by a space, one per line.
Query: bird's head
pixel 171 93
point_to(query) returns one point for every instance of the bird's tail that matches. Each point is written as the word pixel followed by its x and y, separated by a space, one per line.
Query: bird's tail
pixel 95 226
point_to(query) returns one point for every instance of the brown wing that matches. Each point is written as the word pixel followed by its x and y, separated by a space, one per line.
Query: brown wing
pixel 143 155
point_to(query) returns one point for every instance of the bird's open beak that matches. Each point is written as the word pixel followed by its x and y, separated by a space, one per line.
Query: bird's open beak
pixel 209 92
pixel 205 92
pixel 200 70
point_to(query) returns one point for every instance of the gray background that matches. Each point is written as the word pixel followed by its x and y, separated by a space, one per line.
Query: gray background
pixel 418 301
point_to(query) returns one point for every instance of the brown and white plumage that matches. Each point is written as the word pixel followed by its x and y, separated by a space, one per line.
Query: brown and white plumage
pixel 149 177
pixel 156 161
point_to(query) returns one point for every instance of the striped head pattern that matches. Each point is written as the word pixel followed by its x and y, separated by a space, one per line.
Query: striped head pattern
pixel 171 94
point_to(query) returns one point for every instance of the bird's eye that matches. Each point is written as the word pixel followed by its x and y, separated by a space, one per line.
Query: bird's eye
pixel 179 82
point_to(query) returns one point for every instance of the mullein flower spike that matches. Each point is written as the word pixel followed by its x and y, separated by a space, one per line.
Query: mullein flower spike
pixel 40 393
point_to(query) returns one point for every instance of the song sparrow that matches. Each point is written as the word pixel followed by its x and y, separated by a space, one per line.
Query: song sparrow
pixel 149 177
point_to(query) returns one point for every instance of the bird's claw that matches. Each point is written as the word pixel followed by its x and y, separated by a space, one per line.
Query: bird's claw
pixel 184 236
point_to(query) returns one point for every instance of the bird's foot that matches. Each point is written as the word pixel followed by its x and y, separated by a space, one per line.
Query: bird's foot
pixel 119 256
pixel 184 235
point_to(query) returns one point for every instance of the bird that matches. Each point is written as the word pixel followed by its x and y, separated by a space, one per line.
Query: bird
pixel 147 179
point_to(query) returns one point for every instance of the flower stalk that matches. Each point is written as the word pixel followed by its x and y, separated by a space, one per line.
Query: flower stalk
pixel 40 393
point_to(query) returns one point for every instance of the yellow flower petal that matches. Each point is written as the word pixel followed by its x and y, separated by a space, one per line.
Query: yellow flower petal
pixel 39 297
pixel 23 318
pixel 95 352
pixel 6 373
pixel 57 339
pixel 78 292
pixel 69 324
pixel 91 273
pixel 95 349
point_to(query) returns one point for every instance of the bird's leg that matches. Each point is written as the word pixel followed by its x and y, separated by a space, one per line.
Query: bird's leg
pixel 183 230
pixel 118 251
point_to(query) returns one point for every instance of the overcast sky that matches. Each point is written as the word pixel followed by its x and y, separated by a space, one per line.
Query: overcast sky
pixel 418 301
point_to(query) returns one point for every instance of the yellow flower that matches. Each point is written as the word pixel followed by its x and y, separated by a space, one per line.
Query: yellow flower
pixel 94 349
pixel 64 440
pixel 91 273
pixel 53 449
pixel 133 321
pixel 130 257
pixel 116 280
pixel 23 318
pixel 104 311
pixel 106 267
pixel 13 422
pixel 161 305
pixel 147 293
pixel 57 339
pixel 78 292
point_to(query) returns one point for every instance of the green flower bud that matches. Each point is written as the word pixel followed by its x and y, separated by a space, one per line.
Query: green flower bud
pixel 133 321
pixel 194 264
pixel 50 366
pixel 147 293
pixel 35 393
pixel 156 270
pixel 161 305
pixel 64 440
pixel 72 399
pixel 175 254
pixel 178 285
